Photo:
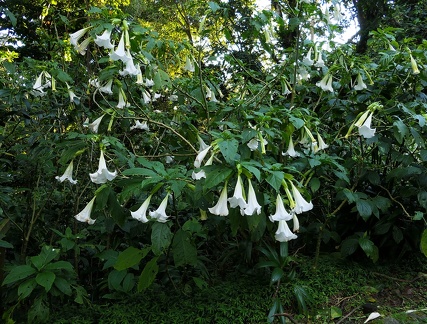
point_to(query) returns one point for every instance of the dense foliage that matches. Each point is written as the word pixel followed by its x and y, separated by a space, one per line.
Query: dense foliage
pixel 183 158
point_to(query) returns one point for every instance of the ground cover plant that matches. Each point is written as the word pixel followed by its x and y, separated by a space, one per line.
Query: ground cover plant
pixel 146 151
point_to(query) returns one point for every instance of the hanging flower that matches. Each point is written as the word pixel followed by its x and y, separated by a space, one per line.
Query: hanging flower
pixel 155 96
pixel 296 222
pixel 160 213
pixel 253 144
pixel 107 87
pixel 414 65
pixel 320 145
pixel 120 53
pixel 360 85
pixel 303 74
pixel 94 125
pixel 365 130
pixel 307 60
pixel 326 83
pixel 291 150
pixel 283 233
pixel 130 69
pixel 189 66
pixel 71 94
pixel 320 63
pixel 38 86
pixel 301 205
pixel 221 208
pixel 122 100
pixel 84 215
pixel 82 47
pixel 238 197
pixel 102 175
pixel 200 156
pixel 146 97
pixel 74 38
pixel 281 213
pixel 104 40
pixel 68 174
pixel 252 206
pixel 201 174
pixel 141 213
pixel 169 159
pixel 139 125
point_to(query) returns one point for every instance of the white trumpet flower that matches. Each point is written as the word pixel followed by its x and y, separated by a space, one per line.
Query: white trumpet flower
pixel 301 205
pixel 141 213
pixel 102 175
pixel 139 125
pixel 68 174
pixel 252 206
pixel 365 130
pixel 283 233
pixel 84 215
pixel 221 208
pixel 104 40
pixel 238 197
pixel 359 85
pixel 160 213
pixel 281 213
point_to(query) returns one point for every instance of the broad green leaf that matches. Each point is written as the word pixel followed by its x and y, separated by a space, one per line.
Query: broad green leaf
pixel 140 171
pixel 184 251
pixel 39 311
pixel 214 6
pixel 130 257
pixel 364 208
pixel 275 179
pixel 215 175
pixel 60 265
pixel 349 246
pixel 228 149
pixel 115 279
pixel 128 282
pixel 252 169
pixel 369 248
pixel 400 130
pixel 63 285
pixel 45 279
pixel 297 122
pixel 46 255
pixel 417 137
pixel 6 245
pixel 276 275
pixel 336 312
pixel 148 275
pixel 161 237
pixel 18 273
pixel 11 17
pixel 26 288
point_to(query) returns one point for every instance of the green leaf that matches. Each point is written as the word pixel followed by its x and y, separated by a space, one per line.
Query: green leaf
pixel 140 171
pixel 297 122
pixel 39 311
pixel 369 248
pixel 60 265
pixel 115 278
pixel 214 6
pixel 148 274
pixel 11 17
pixel 161 237
pixel 46 255
pixel 6 245
pixel 423 243
pixel 46 279
pixel 349 246
pixel 276 275
pixel 400 130
pixel 252 169
pixel 336 312
pixel 130 257
pixel 19 273
pixel 275 179
pixel 364 208
pixel 63 285
pixel 228 149
pixel 215 174
pixel 184 251
pixel 26 288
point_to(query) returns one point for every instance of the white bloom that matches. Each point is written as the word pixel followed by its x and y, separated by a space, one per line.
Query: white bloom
pixel 201 174
pixel 71 94
pixel 360 85
pixel 38 86
pixel 238 196
pixel 102 175
pixel 84 215
pixel 202 144
pixel 372 316
pixel 94 83
pixel 307 60
pixel 189 66
pixel 95 124
pixel 68 174
pixel 221 208
pixel 141 213
pixel 104 40
pixel 200 156
pixel 253 144
pixel 319 63
pixel 291 150
pixel 414 65
pixel 139 125
pixel 149 83
pixel 303 74
pixel 107 87
pixel 301 205
pixel 281 213
pixel 120 53
pixel 74 38
pixel 122 100
pixel 296 222
pixel 169 159
pixel 146 97
pixel 160 213
pixel 173 97
pixel 82 47
pixel 326 83
pixel 208 93
pixel 130 69
pixel 252 206
pixel 320 144
pixel 155 96
pixel 365 130
pixel 283 233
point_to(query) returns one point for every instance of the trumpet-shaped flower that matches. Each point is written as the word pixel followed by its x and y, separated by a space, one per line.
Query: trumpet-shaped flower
pixel 281 213
pixel 414 65
pixel 94 125
pixel 189 66
pixel 169 159
pixel 130 69
pixel 291 150
pixel 326 83
pixel 301 205
pixel 102 175
pixel 360 85
pixel 68 174
pixel 122 100
pixel 252 206
pixel 160 213
pixel 320 144
pixel 139 125
pixel 296 222
pixel 307 60
pixel 146 97
pixel 221 208
pixel 200 156
pixel 303 74
pixel 202 174
pixel 38 86
pixel 155 96
pixel 107 87
pixel 365 130
pixel 120 54
pixel 74 37
pixel 104 40
pixel 84 215
pixel 283 233
pixel 71 94
pixel 253 144
pixel 320 63
pixel 141 213
pixel 238 196
pixel 82 47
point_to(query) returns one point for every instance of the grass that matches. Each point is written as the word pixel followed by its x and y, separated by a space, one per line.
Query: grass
pixel 341 292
